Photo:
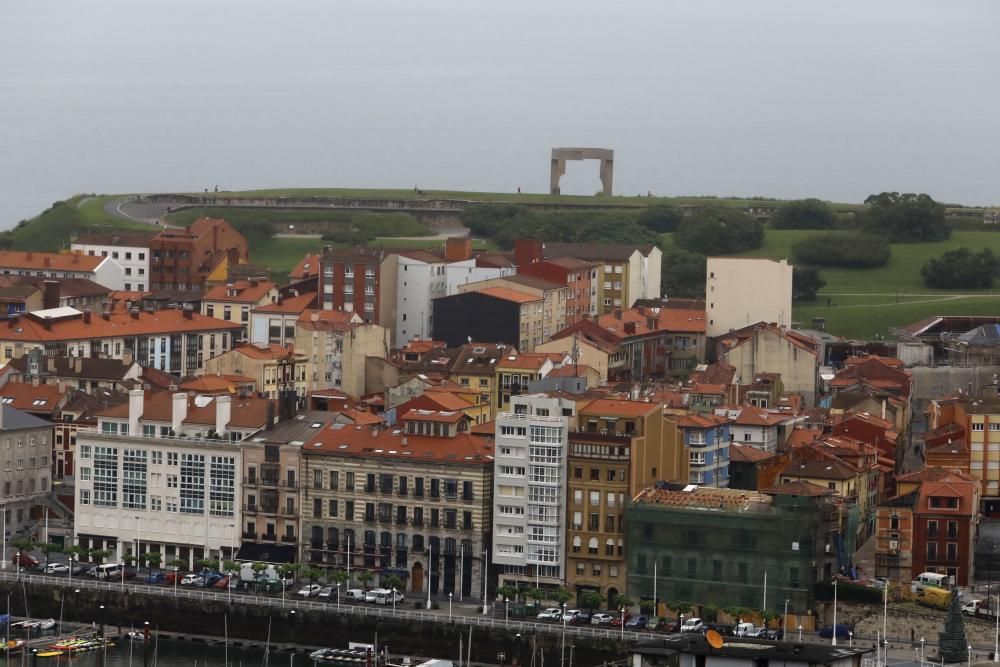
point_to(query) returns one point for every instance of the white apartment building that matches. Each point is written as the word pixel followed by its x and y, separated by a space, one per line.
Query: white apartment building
pixel 529 492
pixel 129 249
pixel 162 474
pixel 25 457
pixel 743 291
pixel 411 281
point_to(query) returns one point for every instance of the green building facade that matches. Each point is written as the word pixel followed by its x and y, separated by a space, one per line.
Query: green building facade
pixel 716 548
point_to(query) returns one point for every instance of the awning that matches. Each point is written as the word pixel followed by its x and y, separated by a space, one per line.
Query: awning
pixel 266 553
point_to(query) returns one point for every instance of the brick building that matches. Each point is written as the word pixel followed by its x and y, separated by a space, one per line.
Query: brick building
pixel 182 259
pixel 349 280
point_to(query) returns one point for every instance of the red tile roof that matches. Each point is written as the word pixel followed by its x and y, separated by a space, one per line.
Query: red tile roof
pixel 394 445
pixel 701 421
pixel 169 320
pixel 618 408
pixel 328 320
pixel 53 261
pixel 442 416
pixel 509 295
pixel 799 488
pixel 158 406
pixel 527 360
pixel 258 351
pixel 31 398
pixel 246 291
pixel 289 305
pixel 307 267
pixel 664 319
pixel 751 416
pixel 748 454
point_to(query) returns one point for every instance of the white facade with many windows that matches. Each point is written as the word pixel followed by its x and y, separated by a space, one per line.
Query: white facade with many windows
pixel 529 491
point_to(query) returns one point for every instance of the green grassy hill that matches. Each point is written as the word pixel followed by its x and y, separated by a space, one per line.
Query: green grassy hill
pixel 52 229
pixel 865 302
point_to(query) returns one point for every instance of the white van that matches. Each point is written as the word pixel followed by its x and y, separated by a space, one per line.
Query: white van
pixel 385 596
pixel 355 594
pixel 934 579
pixel 107 571
pixel 746 630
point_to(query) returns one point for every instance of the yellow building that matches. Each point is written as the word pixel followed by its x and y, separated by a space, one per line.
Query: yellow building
pixel 233 302
pixel 514 371
pixel 619 448
pixel 335 345
pixel 273 368
pixel 474 369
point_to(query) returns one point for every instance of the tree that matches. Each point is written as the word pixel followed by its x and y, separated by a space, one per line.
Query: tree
pixel 682 273
pixel 806 281
pixel 203 563
pixel 177 564
pixel 905 217
pixel 288 571
pixel 507 592
pixel 231 567
pixel 129 559
pixel 536 594
pixel 591 600
pixel 49 548
pixel 710 612
pixel 660 218
pixel 624 600
pixel 853 250
pixel 339 577
pixel 804 214
pixel 99 555
pixel 392 582
pixel 311 574
pixel 153 559
pixel 365 577
pixel 962 269
pixel 680 606
pixel 719 231
pixel 561 596
pixel 647 606
pixel 616 229
pixel 23 544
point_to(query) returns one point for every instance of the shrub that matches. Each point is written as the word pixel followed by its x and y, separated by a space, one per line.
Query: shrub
pixel 660 218
pixel 905 217
pixel 804 214
pixel 806 281
pixel 719 231
pixel 961 268
pixel 682 273
pixel 853 250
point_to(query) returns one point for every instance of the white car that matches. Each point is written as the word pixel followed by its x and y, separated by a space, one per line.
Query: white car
pixel 601 619
pixel 310 591
pixel 570 615
pixel 372 595
pixel 693 625
pixel 190 580
pixel 56 568
pixel 550 614
pixel 327 592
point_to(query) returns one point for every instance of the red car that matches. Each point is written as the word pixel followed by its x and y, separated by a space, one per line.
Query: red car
pixel 617 620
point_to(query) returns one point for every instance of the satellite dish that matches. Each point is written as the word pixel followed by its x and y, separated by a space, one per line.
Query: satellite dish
pixel 714 639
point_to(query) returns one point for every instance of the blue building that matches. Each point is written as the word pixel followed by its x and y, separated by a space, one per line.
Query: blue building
pixel 707 439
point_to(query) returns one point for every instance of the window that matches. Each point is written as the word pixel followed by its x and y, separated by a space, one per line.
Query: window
pixel 932 551
pixel 932 529
pixel 894 522
pixel 977 426
pixel 952 551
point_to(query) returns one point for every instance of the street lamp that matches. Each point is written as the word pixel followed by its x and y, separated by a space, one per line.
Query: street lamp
pixel 784 621
pixel 338 594
pixel 970 655
pixel 506 609
pixel 393 599
pixel 921 652
pixel 562 653
pixel 449 607
pixel 850 637
pixel 834 639
pixel 622 610
pixel 800 631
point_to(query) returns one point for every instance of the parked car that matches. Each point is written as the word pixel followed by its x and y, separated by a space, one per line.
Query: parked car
pixel 843 631
pixel 722 629
pixel 616 621
pixel 56 568
pixel 25 559
pixel 637 622
pixel 550 614
pixel 326 593
pixel 746 629
pixel 387 596
pixel 191 579
pixel 372 595
pixel 80 568
pixel 570 615
pixel 601 619
pixel 693 624
pixel 156 578
pixel 222 583
pixel 130 573
pixel 670 626
pixel 355 594
pixel 774 635
pixel 310 591
pixel 582 617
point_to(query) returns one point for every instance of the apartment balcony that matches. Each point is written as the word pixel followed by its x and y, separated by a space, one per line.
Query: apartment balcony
pixel 268 537
pixel 249 535
pixel 251 482
pixel 289 539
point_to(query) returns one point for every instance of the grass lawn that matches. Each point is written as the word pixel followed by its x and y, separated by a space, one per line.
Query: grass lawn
pixel 51 230
pixel 512 197
pixel 869 301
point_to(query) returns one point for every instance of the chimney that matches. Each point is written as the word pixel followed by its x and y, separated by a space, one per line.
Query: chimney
pixel 270 416
pixel 136 398
pixel 254 282
pixel 127 358
pixel 178 411
pixel 314 316
pixel 46 262
pixel 105 315
pixel 630 328
pixel 50 294
pixel 87 315
pixel 134 313
pixel 223 413
pixel 651 323
pixel 457 249
pixel 528 251
pixel 12 320
pixel 642 310
pixel 188 313
pixel 618 314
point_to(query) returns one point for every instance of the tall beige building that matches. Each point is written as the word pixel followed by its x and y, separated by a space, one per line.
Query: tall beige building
pixel 335 351
pixel 742 291
pixel 26 453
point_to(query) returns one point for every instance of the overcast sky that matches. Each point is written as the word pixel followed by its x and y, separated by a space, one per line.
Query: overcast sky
pixel 733 97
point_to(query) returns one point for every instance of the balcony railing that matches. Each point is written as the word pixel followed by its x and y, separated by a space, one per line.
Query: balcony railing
pixel 290 539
